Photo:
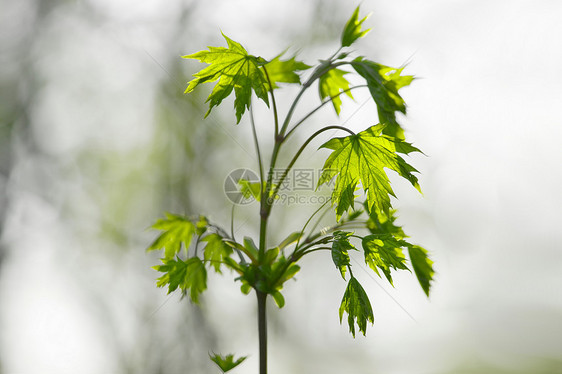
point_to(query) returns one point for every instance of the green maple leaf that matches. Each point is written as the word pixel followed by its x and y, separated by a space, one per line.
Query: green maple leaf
pixel 189 275
pixel 363 158
pixel 379 223
pixel 226 363
pixel 383 83
pixel 423 266
pixel 216 250
pixel 177 230
pixel 356 304
pixel 384 252
pixel 383 226
pixel 284 71
pixel 331 84
pixel 340 246
pixel 352 30
pixel 234 69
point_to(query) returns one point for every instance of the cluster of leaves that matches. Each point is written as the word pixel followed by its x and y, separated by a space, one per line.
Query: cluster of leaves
pixel 383 251
pixel 356 161
pixel 184 269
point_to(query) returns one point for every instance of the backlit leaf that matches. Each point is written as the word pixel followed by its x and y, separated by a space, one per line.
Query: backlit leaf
pixel 190 276
pixel 284 71
pixel 379 223
pixel 423 266
pixel 340 246
pixel 384 252
pixel 363 158
pixel 216 250
pixel 234 69
pixel 177 230
pixel 384 83
pixel 333 83
pixel 356 304
pixel 352 30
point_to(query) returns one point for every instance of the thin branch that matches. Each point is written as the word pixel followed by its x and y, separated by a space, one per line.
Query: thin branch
pixel 219 230
pixel 310 219
pixel 242 259
pixel 329 100
pixel 196 245
pixel 315 249
pixel 292 109
pixel 335 54
pixel 275 116
pixel 232 222
pixel 257 146
pixel 321 70
pixel 309 240
pixel 307 246
pixel 301 149
pixel 318 222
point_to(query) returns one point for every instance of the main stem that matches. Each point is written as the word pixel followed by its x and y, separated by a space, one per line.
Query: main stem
pixel 262 330
pixel 266 204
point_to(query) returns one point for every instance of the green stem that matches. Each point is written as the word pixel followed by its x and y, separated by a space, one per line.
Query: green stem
pixel 309 241
pixel 263 233
pixel 262 330
pixel 314 250
pixel 301 149
pixel 265 203
pixel 319 219
pixel 296 256
pixel 335 54
pixel 301 250
pixel 196 244
pixel 320 107
pixel 292 109
pixel 310 219
pixel 242 259
pixel 275 116
pixel 317 74
pixel 257 146
pixel 232 222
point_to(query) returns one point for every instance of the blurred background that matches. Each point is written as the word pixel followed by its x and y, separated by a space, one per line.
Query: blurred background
pixel 97 140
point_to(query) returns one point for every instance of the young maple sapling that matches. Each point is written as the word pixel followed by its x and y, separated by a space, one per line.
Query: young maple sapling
pixel 356 160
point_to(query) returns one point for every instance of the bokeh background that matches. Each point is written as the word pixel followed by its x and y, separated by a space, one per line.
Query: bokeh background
pixel 97 140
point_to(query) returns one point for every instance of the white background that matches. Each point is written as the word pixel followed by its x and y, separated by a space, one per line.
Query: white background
pixel 485 111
